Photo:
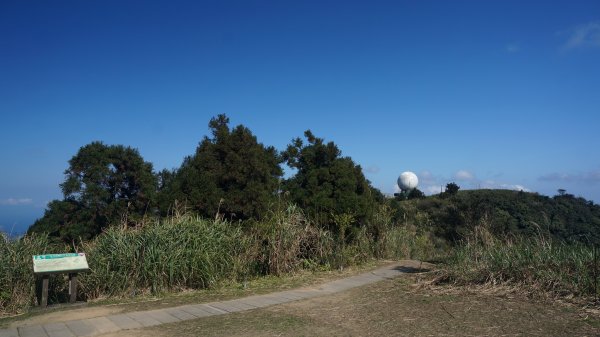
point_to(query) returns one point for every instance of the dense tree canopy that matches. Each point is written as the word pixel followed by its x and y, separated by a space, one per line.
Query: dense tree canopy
pixel 326 183
pixel 62 220
pixel 451 189
pixel 230 173
pixel 104 184
pixel 415 193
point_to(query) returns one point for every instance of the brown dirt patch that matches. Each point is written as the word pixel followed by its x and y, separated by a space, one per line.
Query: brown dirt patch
pixel 394 307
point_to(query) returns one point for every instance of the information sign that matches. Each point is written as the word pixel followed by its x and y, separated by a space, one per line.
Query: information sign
pixel 59 263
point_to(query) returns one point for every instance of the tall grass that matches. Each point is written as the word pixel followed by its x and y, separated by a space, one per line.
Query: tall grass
pixel 166 255
pixel 188 252
pixel 286 241
pixel 406 240
pixel 536 263
pixel 17 282
pixel 175 253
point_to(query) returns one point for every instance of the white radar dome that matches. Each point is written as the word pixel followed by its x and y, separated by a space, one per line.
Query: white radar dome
pixel 407 181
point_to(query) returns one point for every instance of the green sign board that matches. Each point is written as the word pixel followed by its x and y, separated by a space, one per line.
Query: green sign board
pixel 59 263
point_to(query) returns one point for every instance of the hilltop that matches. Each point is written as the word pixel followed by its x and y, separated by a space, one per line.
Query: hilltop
pixel 504 213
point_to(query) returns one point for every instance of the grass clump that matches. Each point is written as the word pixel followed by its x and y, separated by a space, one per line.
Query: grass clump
pixel 286 242
pixel 392 240
pixel 17 282
pixel 564 269
pixel 174 253
pixel 181 252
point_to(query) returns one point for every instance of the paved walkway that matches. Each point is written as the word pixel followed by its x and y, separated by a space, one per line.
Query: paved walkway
pixel 139 319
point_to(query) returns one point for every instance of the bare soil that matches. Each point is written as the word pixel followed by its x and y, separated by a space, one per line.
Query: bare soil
pixel 397 308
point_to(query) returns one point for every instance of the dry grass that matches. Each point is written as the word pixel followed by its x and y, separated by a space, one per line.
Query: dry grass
pixel 399 308
pixel 537 265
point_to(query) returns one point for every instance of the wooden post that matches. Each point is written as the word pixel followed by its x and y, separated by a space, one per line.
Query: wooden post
pixel 67 263
pixel 72 287
pixel 44 302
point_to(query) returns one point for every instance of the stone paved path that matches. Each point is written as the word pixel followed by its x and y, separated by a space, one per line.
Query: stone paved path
pixel 139 319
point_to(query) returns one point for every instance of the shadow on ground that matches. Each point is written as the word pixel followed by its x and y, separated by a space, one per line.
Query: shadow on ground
pixel 411 270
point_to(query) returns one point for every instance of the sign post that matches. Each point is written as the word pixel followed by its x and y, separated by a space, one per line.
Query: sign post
pixel 71 263
pixel 44 301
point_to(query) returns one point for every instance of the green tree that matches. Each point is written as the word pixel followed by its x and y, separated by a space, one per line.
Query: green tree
pixel 415 193
pixel 451 189
pixel 104 184
pixel 327 183
pixel 231 173
pixel 61 221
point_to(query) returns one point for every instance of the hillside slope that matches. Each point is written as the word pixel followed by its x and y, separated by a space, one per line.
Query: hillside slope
pixel 504 213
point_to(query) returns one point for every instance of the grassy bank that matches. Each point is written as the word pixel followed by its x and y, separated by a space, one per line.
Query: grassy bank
pixel 189 252
pixel 536 264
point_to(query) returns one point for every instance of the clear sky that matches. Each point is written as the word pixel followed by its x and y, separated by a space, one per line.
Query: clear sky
pixel 489 94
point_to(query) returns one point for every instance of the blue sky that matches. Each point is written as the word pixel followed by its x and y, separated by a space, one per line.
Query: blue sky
pixel 502 94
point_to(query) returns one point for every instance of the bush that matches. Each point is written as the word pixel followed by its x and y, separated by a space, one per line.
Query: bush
pixel 176 253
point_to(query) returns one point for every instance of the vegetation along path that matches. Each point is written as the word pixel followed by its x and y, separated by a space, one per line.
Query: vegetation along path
pixel 132 320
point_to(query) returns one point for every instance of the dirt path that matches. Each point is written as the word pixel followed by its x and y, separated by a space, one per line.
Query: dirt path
pixel 313 281
pixel 366 304
pixel 73 314
pixel 392 307
pixel 85 311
